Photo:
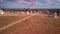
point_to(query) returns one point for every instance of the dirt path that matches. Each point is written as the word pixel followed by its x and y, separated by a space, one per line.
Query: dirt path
pixel 34 25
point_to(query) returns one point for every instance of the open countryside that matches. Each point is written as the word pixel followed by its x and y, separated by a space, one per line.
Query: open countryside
pixel 37 23
pixel 29 16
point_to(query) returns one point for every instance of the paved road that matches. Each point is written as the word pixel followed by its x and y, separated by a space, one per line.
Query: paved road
pixel 37 24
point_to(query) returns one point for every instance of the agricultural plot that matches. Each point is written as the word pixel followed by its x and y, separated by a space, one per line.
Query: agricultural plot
pixel 37 24
pixel 5 20
pixel 57 25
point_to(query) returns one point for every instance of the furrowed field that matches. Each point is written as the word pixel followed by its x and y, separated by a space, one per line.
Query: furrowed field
pixel 8 19
pixel 37 24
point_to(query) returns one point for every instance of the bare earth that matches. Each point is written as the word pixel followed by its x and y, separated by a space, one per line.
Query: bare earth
pixel 6 20
pixel 38 24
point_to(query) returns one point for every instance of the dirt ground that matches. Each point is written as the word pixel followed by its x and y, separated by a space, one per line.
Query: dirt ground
pixel 8 19
pixel 38 24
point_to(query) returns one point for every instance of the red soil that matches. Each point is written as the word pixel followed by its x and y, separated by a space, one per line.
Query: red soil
pixel 35 25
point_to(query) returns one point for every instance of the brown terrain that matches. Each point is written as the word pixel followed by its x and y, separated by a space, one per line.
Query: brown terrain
pixel 37 24
pixel 8 19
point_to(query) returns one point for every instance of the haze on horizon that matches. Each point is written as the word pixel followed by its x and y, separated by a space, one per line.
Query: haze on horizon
pixel 30 4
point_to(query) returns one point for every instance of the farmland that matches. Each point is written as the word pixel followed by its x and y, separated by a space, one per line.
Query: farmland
pixel 37 24
pixel 5 20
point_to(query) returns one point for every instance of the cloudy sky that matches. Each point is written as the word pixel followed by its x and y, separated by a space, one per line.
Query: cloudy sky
pixel 30 3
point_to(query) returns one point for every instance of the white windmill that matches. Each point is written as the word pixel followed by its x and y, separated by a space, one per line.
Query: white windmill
pixel 1 11
pixel 1 6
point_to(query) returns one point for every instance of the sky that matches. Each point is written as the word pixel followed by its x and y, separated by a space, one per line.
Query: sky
pixel 46 4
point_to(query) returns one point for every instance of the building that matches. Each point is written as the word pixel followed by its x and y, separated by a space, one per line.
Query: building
pixel 24 10
pixel 55 12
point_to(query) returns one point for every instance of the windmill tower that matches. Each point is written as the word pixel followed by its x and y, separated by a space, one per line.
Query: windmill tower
pixel 1 11
pixel 1 4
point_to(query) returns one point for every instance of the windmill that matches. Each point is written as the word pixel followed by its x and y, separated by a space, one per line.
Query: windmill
pixel 1 11
pixel 55 12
